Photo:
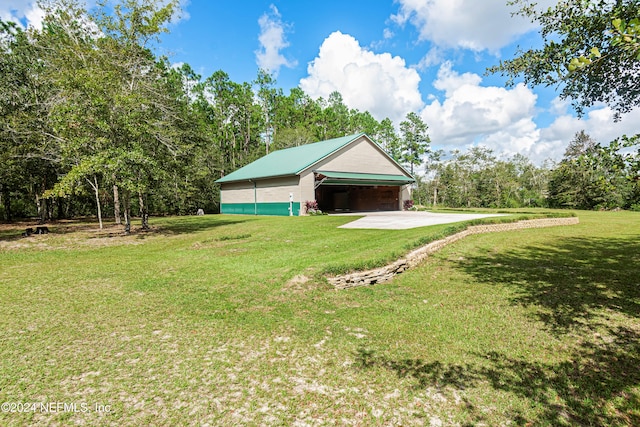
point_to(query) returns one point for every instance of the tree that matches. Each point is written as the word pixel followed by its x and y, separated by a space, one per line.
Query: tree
pixel 28 161
pixel 288 137
pixel 235 120
pixel 335 117
pixel 591 51
pixel 387 137
pixel 581 144
pixel 267 96
pixel 591 176
pixel 363 122
pixel 477 178
pixel 532 181
pixel 415 140
pixel 632 159
pixel 191 174
pixel 68 50
pixel 115 118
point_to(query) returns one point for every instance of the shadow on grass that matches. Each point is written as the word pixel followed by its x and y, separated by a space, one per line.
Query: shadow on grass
pixel 571 282
pixel 15 230
pixel 589 287
pixel 159 226
pixel 592 389
pixel 186 225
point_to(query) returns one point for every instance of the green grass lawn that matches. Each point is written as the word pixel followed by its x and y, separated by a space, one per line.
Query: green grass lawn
pixel 224 320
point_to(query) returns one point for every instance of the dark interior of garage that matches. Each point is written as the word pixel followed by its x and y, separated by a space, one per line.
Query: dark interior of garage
pixel 357 198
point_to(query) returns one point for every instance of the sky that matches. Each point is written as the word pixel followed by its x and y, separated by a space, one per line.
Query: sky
pixel 388 57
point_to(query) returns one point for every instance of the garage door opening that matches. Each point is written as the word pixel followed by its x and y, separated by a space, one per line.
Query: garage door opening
pixel 359 192
pixel 354 198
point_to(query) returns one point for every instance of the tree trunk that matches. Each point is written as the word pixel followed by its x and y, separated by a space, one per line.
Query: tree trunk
pixel 116 204
pixel 176 195
pixel 60 208
pixel 39 208
pixel 127 213
pixel 96 191
pixel 49 210
pixel 44 211
pixel 144 212
pixel 6 202
pixel 95 181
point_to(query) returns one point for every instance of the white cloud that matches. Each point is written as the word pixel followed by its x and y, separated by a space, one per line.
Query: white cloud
pixel 25 13
pixel 434 56
pixel 464 113
pixel 272 40
pixel 503 119
pixel 450 81
pixel 379 83
pixel 35 15
pixel 468 24
pixel 470 110
pixel 499 118
pixel 519 137
pixel 598 124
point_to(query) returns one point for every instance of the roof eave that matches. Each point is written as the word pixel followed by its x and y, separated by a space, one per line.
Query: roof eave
pixel 256 178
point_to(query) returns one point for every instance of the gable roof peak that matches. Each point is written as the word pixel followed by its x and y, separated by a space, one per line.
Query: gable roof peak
pixel 290 161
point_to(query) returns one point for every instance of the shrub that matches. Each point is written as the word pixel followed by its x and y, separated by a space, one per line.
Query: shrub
pixel 311 208
pixel 408 204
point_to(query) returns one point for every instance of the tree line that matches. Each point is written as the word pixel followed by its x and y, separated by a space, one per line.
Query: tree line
pixel 589 176
pixel 93 122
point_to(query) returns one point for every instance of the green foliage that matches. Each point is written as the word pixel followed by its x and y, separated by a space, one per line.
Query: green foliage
pixel 415 141
pixel 387 137
pixel 592 176
pixel 591 52
pixel 477 178
pixel 27 157
pixel 626 35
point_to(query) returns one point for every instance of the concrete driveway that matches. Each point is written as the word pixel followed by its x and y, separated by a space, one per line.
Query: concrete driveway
pixel 402 220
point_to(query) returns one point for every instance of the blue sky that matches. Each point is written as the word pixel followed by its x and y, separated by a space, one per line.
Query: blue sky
pixel 232 30
pixel 387 57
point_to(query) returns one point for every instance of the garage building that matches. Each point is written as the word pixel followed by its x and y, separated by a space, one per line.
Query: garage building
pixel 347 174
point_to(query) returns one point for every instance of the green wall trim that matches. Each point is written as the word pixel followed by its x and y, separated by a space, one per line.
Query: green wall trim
pixel 277 208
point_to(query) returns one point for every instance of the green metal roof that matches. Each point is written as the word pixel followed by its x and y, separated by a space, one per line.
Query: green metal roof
pixel 289 161
pixel 353 178
pixel 292 161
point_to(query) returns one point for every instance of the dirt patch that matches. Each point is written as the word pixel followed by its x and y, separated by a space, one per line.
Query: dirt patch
pixel 300 284
pixel 68 234
pixel 297 282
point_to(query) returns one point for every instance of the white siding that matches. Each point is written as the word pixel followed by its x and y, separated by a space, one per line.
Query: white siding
pixel 307 191
pixel 237 192
pixel 277 189
pixel 360 156
pixel 405 194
